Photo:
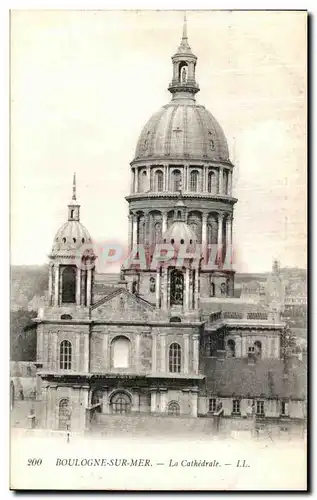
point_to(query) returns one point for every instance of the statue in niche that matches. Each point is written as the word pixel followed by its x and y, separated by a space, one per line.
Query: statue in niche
pixel 184 74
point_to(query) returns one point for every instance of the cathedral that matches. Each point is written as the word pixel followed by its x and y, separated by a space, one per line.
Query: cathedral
pixel 170 339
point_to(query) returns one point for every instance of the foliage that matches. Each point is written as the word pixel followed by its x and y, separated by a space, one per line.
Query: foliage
pixel 22 342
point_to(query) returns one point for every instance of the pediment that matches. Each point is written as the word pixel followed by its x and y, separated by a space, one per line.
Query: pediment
pixel 121 305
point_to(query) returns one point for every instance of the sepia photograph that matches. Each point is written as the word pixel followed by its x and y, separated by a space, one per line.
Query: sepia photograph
pixel 158 250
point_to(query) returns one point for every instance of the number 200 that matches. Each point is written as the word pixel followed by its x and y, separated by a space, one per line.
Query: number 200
pixel 34 461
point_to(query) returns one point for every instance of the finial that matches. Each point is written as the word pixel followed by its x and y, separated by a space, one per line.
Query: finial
pixel 74 187
pixel 184 37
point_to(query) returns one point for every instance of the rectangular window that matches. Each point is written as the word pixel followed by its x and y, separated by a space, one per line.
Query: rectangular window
pixel 212 405
pixel 236 406
pixel 260 408
pixel 284 408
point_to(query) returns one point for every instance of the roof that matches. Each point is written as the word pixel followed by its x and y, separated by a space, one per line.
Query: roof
pixel 71 237
pixel 265 378
pixel 182 129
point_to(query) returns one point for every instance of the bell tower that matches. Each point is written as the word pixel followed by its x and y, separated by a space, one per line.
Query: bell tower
pixel 72 262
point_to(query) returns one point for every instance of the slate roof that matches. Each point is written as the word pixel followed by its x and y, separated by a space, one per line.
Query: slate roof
pixel 265 378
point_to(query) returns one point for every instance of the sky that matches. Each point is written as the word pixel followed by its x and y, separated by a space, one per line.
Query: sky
pixel 84 83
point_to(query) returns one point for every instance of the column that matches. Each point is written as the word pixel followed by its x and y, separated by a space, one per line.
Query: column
pixel 135 401
pixel 185 177
pixel 165 291
pixel 88 292
pixel 195 354
pixel 205 179
pixel 204 237
pixel 132 181
pixel 136 180
pixel 50 285
pixel 230 183
pixel 220 190
pixel 186 352
pixel 86 352
pixel 56 291
pixel 137 352
pixel 166 187
pixel 106 357
pixel 243 346
pixel 163 399
pixel 164 222
pixel 238 347
pixel 158 288
pixel 229 242
pixel 146 229
pixel 220 222
pixel 78 286
pixel 134 231
pixel 76 353
pixel 130 232
pixel 194 402
pixel 196 298
pixel 187 290
pixel 163 353
pixel 153 400
pixel 154 351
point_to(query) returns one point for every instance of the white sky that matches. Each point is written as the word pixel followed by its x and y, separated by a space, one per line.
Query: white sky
pixel 83 84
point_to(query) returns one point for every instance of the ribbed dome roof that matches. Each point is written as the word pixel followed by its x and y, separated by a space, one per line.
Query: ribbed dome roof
pixel 70 238
pixel 182 129
pixel 180 234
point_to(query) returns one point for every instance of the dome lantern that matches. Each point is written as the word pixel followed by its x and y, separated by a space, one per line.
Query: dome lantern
pixel 183 84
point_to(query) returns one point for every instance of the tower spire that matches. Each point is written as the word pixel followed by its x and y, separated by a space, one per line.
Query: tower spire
pixel 185 28
pixel 73 206
pixel 74 187
pixel 184 84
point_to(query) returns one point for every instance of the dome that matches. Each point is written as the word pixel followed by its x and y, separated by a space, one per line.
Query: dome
pixel 182 129
pixel 70 238
pixel 180 234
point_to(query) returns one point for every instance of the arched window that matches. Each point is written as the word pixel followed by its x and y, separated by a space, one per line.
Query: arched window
pixel 152 285
pixel 71 214
pixel 212 289
pixel 134 287
pixel 258 348
pixel 177 287
pixel 65 357
pixel 159 180
pixel 175 358
pixel 175 319
pixel 231 351
pixel 212 183
pixel 120 352
pixel 64 413
pixel 66 316
pixel 120 403
pixel 176 180
pixel 173 409
pixel 69 285
pixel 194 181
pixel 223 289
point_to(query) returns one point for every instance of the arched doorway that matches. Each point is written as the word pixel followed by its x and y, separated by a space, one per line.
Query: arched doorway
pixel 173 409
pixel 64 413
pixel 120 403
